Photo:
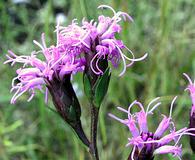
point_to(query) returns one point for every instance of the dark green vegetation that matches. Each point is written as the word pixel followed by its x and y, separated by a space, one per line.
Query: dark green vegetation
pixel 165 29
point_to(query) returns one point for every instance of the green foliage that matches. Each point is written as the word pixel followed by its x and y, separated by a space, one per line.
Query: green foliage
pixel 87 87
pixel 164 29
pixel 101 87
pixel 96 93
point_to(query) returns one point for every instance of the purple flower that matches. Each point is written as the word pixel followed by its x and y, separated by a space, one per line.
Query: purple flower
pixel 52 73
pixel 35 73
pixel 98 38
pixel 68 56
pixel 104 32
pixel 146 143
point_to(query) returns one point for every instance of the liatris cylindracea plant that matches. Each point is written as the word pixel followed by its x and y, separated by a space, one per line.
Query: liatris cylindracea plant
pixel 191 89
pixel 146 144
pixel 101 47
pixel 53 73
pixel 83 48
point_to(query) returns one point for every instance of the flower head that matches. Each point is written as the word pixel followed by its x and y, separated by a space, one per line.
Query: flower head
pixel 108 45
pixel 146 143
pixel 52 72
pixel 36 73
pixel 99 38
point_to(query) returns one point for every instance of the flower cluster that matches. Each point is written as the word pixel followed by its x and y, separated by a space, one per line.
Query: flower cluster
pixel 152 143
pixel 67 56
pixel 35 72
pixel 98 38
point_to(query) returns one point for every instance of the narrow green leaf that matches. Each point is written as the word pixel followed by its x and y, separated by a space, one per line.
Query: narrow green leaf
pixel 101 88
pixel 87 87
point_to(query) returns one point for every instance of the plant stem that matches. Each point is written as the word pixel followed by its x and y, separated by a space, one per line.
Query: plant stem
pixel 94 124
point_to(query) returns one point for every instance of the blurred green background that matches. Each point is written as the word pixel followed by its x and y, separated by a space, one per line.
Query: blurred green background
pixel 165 29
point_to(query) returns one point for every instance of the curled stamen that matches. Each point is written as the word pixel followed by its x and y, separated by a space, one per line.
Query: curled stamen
pixel 133 57
pixel 31 97
pixel 138 104
pixel 17 94
pixel 106 6
pixel 125 15
pixel 123 59
pixel 97 66
pixel 188 78
pixel 91 65
pixel 133 152
pixel 129 109
pixel 153 108
pixel 171 108
pixel 116 118
pixel 154 100
pixel 13 80
pixel 58 60
pixel 43 40
pixel 122 109
pixel 185 132
pixel 136 59
pixel 38 44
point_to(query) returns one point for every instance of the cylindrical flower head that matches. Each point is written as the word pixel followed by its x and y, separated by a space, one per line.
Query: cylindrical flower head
pixel 67 104
pixel 53 74
pixel 191 88
pixel 60 60
pixel 104 44
pixel 65 99
pixel 146 144
pixel 97 40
